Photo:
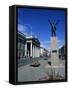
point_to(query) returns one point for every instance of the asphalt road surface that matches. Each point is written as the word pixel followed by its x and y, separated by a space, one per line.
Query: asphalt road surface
pixel 28 73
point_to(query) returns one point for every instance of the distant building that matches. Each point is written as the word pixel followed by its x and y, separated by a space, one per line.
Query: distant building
pixel 28 46
pixel 44 52
pixel 62 52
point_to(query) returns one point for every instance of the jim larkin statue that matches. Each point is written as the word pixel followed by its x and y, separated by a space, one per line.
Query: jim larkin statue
pixel 53 27
pixel 54 50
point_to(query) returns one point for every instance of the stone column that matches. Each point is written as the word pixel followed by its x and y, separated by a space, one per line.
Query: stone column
pixel 26 49
pixel 54 56
pixel 31 49
pixel 38 52
pixel 35 52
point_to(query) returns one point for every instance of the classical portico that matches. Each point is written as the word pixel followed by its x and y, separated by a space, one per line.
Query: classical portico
pixel 32 47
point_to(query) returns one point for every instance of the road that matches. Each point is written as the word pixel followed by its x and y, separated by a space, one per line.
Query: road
pixel 28 73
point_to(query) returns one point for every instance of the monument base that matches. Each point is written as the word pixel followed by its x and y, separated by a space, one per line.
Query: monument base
pixel 54 56
pixel 55 72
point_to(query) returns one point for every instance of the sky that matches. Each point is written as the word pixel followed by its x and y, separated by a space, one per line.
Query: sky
pixel 36 22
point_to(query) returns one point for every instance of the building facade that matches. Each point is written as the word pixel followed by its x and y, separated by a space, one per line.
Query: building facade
pixel 28 46
pixel 32 47
pixel 62 52
pixel 21 45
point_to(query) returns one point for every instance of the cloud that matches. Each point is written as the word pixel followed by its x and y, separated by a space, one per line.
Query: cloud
pixel 45 44
pixel 23 29
pixel 61 44
pixel 59 41
pixel 42 45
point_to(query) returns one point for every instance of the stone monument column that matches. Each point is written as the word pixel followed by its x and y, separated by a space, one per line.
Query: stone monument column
pixel 54 56
pixel 54 51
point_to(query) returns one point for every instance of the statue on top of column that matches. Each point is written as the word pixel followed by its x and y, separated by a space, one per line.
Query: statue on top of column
pixel 53 27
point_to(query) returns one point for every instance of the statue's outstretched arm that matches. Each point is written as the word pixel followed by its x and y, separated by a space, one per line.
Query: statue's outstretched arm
pixel 57 22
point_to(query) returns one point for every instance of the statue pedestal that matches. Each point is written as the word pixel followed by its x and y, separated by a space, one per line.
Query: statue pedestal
pixel 54 56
